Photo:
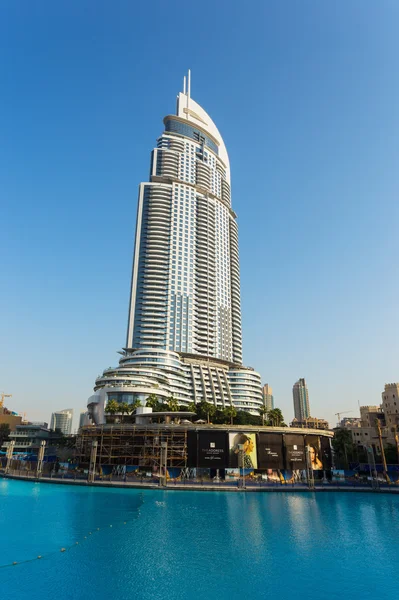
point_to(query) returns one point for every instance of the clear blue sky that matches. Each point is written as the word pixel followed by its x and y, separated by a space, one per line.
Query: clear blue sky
pixel 306 95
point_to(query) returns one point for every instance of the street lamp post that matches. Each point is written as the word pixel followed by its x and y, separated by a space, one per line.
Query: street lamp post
pixel 40 458
pixel 372 467
pixel 241 454
pixel 93 458
pixel 384 462
pixel 10 450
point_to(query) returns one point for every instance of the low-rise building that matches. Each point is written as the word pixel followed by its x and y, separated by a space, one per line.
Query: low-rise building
pixel 9 418
pixel 349 423
pixel 27 438
pixel 387 415
pixel 369 415
pixel 311 423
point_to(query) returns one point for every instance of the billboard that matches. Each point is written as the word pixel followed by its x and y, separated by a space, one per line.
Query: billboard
pixel 212 449
pixel 312 442
pixel 247 442
pixel 294 451
pixel 270 451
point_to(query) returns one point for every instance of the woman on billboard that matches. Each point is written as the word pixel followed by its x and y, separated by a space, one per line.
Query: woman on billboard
pixel 315 461
pixel 247 444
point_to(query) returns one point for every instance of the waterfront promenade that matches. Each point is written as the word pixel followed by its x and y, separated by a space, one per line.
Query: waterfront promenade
pixel 206 485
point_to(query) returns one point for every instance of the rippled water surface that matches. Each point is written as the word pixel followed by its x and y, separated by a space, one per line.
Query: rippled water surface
pixel 199 545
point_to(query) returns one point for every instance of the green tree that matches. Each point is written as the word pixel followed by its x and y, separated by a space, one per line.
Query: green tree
pixel 245 418
pixel 172 404
pixel 152 401
pixel 112 407
pixel 391 455
pixel 276 418
pixel 134 406
pixel 124 409
pixel 192 407
pixel 205 409
pixel 156 405
pixel 343 446
pixel 230 412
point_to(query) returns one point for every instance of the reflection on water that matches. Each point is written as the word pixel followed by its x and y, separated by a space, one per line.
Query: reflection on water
pixel 199 545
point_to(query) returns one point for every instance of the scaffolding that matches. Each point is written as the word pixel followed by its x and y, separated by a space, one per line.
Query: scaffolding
pixel 133 445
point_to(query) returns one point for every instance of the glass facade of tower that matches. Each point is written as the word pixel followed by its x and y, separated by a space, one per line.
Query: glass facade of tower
pixel 185 283
pixel 184 325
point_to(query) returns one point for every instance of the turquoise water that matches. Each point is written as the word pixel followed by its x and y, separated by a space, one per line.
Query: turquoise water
pixel 199 545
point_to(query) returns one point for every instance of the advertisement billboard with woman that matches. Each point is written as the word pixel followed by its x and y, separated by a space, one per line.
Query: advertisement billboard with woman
pixel 246 443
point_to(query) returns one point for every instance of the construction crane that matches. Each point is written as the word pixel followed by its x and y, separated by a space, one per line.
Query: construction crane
pixel 342 413
pixel 2 396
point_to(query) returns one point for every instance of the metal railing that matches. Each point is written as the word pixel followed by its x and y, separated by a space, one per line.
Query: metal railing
pixel 130 480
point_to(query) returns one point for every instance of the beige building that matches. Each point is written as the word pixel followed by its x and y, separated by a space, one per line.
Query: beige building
pixel 267 394
pixel 311 423
pixel 390 404
pixel 7 417
pixel 369 414
pixel 387 414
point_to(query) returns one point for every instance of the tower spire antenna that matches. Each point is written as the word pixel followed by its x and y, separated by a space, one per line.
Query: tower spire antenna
pixel 188 91
pixel 184 84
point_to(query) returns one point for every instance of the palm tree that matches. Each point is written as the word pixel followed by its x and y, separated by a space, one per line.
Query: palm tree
pixel 112 408
pixel 276 418
pixel 172 403
pixel 153 402
pixel 124 409
pixel 263 411
pixel 192 407
pixel 341 443
pixel 204 408
pixel 230 413
pixel 134 406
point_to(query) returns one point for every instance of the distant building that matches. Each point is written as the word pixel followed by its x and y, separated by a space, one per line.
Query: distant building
pixel 390 404
pixel 387 414
pixel 9 418
pixel 62 420
pixel 348 422
pixel 369 414
pixel 301 400
pixel 311 423
pixel 83 419
pixel 267 394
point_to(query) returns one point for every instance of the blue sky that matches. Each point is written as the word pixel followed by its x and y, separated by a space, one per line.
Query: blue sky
pixel 306 95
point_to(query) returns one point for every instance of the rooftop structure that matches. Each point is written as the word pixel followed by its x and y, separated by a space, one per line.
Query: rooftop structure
pixel 312 423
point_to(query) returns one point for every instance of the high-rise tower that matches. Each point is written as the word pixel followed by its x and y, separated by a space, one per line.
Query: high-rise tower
pixel 185 285
pixel 62 420
pixel 184 325
pixel 268 399
pixel 301 400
